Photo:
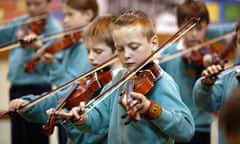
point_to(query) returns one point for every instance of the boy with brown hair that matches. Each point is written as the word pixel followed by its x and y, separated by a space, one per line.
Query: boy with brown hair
pixel 162 116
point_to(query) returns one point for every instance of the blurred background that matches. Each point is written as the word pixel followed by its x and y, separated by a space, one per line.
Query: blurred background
pixel 222 12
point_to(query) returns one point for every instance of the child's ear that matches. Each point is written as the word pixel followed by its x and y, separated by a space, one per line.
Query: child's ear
pixel 154 41
pixel 90 14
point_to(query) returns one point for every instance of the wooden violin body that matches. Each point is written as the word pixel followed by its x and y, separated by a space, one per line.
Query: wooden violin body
pixel 196 57
pixel 143 82
pixel 81 91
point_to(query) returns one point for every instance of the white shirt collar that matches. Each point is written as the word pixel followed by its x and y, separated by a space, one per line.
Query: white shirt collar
pixel 180 45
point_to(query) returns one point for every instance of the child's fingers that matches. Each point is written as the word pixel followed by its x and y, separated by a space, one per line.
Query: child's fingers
pixel 50 111
pixel 75 112
pixel 64 114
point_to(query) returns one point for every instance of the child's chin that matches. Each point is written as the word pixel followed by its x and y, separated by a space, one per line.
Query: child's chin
pixel 130 68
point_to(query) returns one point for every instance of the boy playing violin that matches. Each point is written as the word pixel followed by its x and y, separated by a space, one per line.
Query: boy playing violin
pixel 186 69
pixel 23 83
pixel 210 93
pixel 72 60
pixel 100 47
pixel 163 116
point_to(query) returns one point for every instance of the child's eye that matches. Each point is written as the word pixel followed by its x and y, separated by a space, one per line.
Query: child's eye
pixel 88 51
pixel 134 46
pixel 98 51
pixel 119 49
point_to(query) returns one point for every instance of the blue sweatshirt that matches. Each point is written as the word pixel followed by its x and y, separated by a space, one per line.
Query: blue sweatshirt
pixel 179 70
pixel 20 56
pixel 175 121
pixel 37 114
pixel 72 62
pixel 212 98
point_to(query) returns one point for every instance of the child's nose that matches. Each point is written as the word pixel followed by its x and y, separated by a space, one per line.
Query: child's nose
pixel 65 20
pixel 127 53
pixel 194 33
pixel 90 56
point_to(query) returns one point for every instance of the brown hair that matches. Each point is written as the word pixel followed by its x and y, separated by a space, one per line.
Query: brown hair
pixel 230 114
pixel 136 18
pixel 238 26
pixel 99 30
pixel 84 5
pixel 192 8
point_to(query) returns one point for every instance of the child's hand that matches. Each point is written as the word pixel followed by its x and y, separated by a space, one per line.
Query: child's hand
pixel 20 33
pixel 138 105
pixel 59 114
pixel 147 108
pixel 76 115
pixel 31 40
pixel 209 74
pixel 47 58
pixel 207 60
pixel 210 59
pixel 50 111
pixel 140 102
pixel 16 104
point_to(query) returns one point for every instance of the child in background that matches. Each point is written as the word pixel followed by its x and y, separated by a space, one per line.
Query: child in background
pixel 237 44
pixel 100 47
pixel 186 69
pixel 73 59
pixel 210 94
pixel 230 115
pixel 22 83
pixel 163 115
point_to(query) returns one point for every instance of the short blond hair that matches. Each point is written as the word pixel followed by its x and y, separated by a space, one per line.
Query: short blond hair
pixel 99 30
pixel 136 18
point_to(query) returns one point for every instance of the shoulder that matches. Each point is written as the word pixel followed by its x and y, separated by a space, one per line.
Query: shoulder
pixel 169 48
pixel 166 78
pixel 20 18
pixel 53 24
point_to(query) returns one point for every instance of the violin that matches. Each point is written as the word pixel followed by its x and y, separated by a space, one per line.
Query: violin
pixel 52 48
pixel 9 24
pixel 142 83
pixel 196 61
pixel 196 57
pixel 79 92
pixel 35 27
pixel 71 82
pixel 31 25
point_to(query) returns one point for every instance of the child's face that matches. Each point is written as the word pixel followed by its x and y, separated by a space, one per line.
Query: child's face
pixel 196 35
pixel 98 52
pixel 238 42
pixel 74 18
pixel 131 46
pixel 37 7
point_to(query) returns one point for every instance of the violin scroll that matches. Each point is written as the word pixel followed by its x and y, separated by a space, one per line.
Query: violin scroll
pixel 48 128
